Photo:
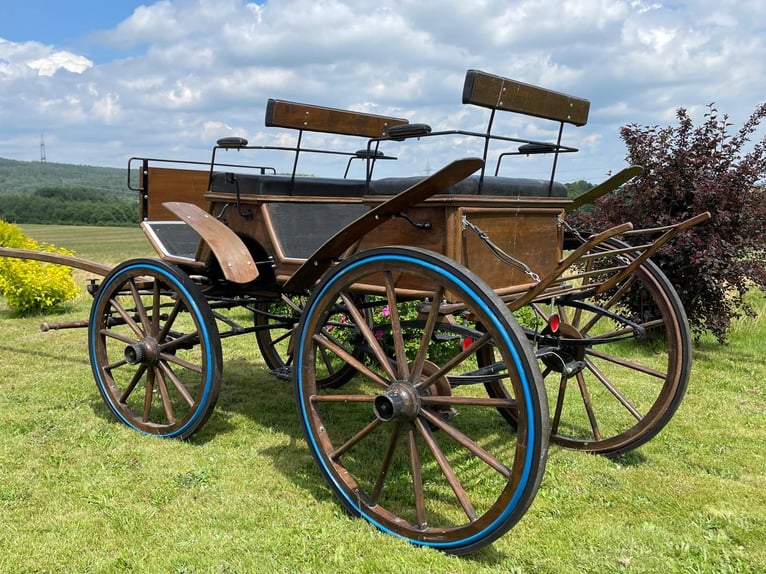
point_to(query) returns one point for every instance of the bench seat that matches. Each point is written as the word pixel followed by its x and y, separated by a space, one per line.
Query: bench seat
pixel 284 185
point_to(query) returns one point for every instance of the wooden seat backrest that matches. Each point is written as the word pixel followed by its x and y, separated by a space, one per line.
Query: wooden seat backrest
pixel 168 184
pixel 498 93
pixel 284 114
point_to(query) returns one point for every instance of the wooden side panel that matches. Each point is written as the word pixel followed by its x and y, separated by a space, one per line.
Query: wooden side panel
pixel 284 114
pixel 500 93
pixel 165 184
pixel 532 235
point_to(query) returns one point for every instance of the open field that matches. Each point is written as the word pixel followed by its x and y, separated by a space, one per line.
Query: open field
pixel 81 493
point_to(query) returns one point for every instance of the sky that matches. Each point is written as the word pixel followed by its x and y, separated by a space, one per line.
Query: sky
pixel 103 81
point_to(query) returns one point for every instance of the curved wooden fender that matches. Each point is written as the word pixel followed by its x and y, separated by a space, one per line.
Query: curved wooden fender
pixel 323 258
pixel 235 259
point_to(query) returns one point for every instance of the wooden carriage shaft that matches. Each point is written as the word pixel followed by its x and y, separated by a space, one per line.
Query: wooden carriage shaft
pixel 57 259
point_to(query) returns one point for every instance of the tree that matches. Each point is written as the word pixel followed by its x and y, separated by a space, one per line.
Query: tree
pixel 578 187
pixel 690 170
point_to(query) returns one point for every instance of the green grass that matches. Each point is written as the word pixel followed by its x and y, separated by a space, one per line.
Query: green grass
pixel 109 245
pixel 81 493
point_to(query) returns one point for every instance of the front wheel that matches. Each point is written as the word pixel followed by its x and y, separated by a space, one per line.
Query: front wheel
pixel 154 349
pixel 411 442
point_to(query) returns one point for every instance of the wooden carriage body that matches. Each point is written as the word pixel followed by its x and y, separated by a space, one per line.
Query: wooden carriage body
pixel 286 218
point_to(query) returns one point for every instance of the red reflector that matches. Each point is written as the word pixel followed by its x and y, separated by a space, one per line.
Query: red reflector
pixel 467 342
pixel 553 323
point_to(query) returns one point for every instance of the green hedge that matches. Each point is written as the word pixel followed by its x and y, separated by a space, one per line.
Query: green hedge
pixel 32 286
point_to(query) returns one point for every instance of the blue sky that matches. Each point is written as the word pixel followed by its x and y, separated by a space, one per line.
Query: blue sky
pixel 62 24
pixel 105 81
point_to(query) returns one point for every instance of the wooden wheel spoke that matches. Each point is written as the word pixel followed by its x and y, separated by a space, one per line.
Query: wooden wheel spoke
pixel 588 405
pixel 458 359
pixel 335 454
pixel 117 336
pixel 117 364
pixel 127 318
pixel 165 395
pixel 148 395
pixel 297 308
pixel 170 320
pixel 132 384
pixel 342 398
pixel 369 336
pixel 350 359
pixel 612 389
pixel 417 478
pixel 402 367
pixel 447 470
pixel 173 344
pixel 181 362
pixel 425 341
pixel 327 361
pixel 541 317
pixel 276 341
pixel 559 404
pixel 628 364
pixel 467 442
pixel 613 300
pixel 180 387
pixel 385 464
pixel 140 309
pixel 156 301
pixel 490 402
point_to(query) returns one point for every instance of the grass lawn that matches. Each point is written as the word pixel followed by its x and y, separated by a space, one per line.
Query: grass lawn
pixel 81 493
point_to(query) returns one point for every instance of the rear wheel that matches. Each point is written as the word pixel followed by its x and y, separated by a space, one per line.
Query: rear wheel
pixel 154 349
pixel 275 323
pixel 618 367
pixel 411 442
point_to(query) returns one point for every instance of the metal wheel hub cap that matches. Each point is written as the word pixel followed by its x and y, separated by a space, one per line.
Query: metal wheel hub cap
pixel 145 352
pixel 400 402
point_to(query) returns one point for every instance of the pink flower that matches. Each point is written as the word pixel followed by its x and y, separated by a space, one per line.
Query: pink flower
pixel 385 311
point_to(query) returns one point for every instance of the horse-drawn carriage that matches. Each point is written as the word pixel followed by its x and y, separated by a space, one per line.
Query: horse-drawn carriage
pixel 426 323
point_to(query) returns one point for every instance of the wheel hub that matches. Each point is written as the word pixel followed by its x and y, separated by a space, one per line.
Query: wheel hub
pixel 561 357
pixel 145 352
pixel 400 402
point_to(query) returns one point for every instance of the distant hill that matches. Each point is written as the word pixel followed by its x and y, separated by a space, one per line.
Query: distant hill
pixel 26 177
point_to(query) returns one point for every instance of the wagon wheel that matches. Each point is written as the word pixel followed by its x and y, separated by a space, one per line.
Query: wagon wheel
pixel 412 443
pixel 154 349
pixel 621 392
pixel 275 323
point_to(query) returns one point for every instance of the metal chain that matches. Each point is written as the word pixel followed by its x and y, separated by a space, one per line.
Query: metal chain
pixel 499 253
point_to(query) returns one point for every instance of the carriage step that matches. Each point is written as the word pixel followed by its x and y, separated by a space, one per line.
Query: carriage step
pixel 285 373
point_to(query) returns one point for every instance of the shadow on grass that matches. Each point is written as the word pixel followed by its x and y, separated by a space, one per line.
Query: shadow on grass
pixel 47 355
pixel 251 391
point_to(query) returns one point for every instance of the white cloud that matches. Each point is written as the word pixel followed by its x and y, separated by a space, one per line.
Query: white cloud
pixel 21 60
pixel 194 67
pixel 49 65
pixel 107 108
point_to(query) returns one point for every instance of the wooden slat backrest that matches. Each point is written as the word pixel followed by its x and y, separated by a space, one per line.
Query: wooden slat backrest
pixel 284 114
pixel 165 184
pixel 496 92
